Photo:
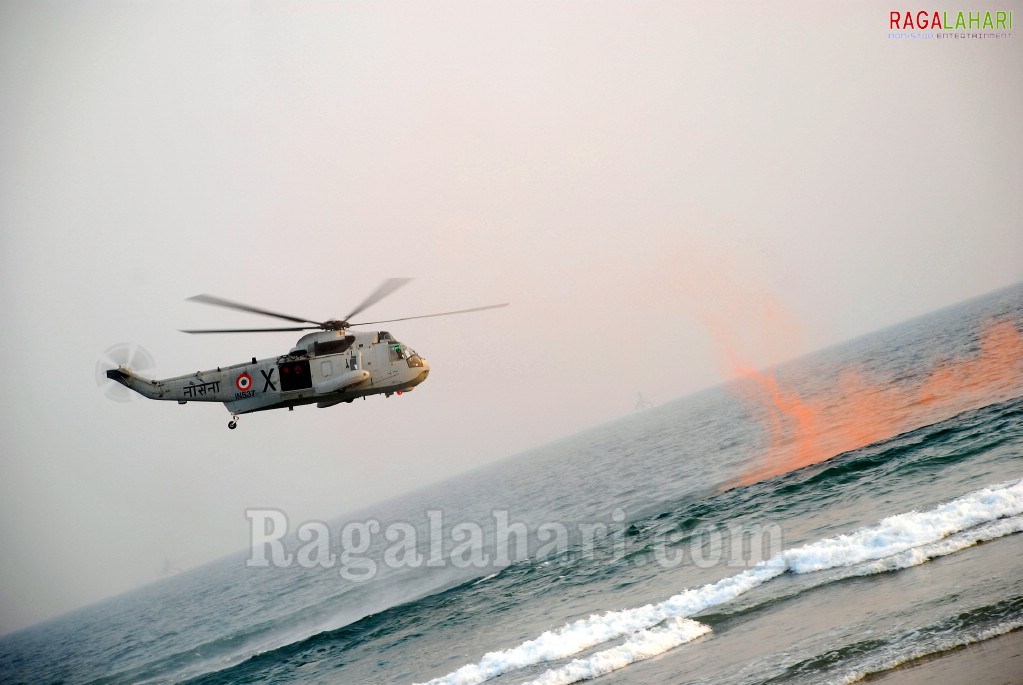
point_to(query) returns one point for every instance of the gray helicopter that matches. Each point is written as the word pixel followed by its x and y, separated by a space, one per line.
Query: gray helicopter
pixel 328 367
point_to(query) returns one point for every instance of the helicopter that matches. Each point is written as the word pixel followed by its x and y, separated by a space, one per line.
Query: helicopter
pixel 334 365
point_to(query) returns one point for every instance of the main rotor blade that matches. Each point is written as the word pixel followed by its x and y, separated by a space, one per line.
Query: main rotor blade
pixel 221 302
pixel 382 291
pixel 427 316
pixel 248 330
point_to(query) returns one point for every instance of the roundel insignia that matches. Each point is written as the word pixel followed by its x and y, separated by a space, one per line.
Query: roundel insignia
pixel 243 382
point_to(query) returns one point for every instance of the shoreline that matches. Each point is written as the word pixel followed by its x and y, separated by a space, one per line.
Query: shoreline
pixel 998 661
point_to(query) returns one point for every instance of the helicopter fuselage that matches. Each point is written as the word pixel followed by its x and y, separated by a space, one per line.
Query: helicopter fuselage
pixel 323 368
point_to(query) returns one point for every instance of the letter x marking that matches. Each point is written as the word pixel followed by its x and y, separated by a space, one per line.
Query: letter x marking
pixel 266 377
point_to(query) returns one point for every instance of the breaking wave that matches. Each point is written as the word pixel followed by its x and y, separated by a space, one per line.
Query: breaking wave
pixel 896 542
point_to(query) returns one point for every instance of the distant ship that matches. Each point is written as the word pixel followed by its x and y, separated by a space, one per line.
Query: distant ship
pixel 169 568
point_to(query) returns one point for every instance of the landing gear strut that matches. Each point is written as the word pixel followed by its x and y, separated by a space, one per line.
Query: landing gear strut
pixel 233 423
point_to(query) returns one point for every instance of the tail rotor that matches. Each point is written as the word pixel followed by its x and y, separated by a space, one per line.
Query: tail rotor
pixel 122 356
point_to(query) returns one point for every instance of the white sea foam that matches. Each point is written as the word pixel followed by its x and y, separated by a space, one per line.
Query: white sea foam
pixel 585 633
pixel 902 532
pixel 950 545
pixel 918 555
pixel 895 542
pixel 641 645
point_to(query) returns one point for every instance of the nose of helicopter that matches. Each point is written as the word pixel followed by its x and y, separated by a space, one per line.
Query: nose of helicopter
pixel 424 371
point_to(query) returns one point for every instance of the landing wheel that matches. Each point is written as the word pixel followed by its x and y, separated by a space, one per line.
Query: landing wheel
pixel 232 424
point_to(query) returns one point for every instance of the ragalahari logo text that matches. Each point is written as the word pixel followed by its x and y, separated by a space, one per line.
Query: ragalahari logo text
pixel 944 24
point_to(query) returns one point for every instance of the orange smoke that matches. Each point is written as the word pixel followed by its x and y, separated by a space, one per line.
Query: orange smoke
pixel 829 411
pixel 853 411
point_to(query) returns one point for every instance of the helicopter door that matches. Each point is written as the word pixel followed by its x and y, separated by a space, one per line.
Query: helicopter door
pixel 295 375
pixel 353 362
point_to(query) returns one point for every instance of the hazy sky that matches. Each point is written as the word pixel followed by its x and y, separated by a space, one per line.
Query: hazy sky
pixel 618 171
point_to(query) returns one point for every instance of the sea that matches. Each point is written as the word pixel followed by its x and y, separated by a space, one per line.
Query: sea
pixel 820 522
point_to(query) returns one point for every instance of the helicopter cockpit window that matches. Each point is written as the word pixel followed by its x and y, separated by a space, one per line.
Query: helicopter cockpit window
pixel 398 352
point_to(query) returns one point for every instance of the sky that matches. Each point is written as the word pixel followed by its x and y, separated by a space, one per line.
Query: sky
pixel 621 173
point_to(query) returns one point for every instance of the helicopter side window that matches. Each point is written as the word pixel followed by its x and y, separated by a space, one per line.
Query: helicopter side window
pixel 395 353
pixel 333 346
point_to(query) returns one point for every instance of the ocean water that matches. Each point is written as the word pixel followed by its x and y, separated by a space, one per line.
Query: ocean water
pixel 830 519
